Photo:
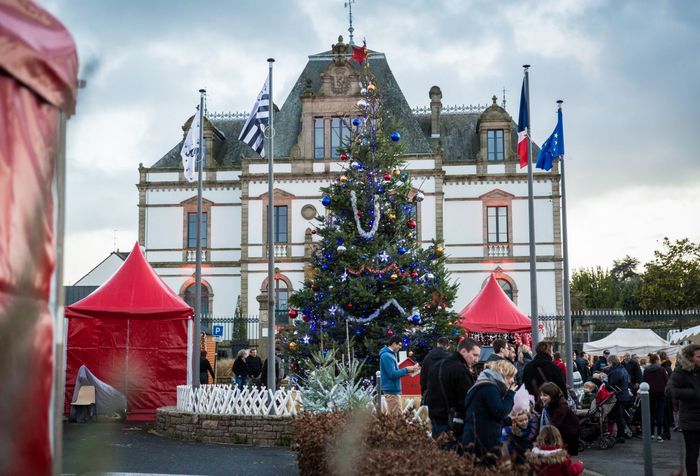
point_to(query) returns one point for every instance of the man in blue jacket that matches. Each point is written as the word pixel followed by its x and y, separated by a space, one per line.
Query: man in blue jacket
pixel 391 374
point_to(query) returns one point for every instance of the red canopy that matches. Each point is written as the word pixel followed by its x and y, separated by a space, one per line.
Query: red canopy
pixel 38 81
pixel 493 311
pixel 132 334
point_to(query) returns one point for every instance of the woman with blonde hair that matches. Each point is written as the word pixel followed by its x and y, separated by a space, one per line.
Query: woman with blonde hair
pixel 240 369
pixel 487 403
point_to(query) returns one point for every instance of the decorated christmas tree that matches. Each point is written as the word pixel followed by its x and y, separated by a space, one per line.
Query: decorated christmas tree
pixel 371 278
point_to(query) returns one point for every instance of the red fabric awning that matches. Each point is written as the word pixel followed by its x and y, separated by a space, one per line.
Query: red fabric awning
pixel 493 311
pixel 134 292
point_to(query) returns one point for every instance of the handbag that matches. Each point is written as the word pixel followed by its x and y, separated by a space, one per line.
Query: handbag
pixel 455 422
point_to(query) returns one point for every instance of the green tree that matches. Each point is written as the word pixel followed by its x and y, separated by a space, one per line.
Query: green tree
pixel 369 271
pixel 592 288
pixel 627 282
pixel 672 279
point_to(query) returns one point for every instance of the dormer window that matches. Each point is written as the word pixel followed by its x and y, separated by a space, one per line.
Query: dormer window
pixel 319 143
pixel 494 144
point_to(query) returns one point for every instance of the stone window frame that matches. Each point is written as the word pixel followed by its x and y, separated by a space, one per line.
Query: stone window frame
pixel 210 292
pixel 497 198
pixel 282 198
pixel 323 137
pixel 495 140
pixel 190 206
pixel 279 277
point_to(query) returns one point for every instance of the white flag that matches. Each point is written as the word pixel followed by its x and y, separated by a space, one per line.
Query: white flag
pixel 190 149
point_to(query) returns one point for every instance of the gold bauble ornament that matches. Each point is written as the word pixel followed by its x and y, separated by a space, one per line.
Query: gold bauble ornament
pixel 371 88
pixel 392 216
pixel 293 345
pixel 394 277
pixel 343 178
pixel 439 249
pixel 410 353
pixel 397 172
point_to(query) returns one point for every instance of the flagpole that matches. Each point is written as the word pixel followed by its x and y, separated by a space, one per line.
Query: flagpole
pixel 271 358
pixel 196 338
pixel 568 337
pixel 531 210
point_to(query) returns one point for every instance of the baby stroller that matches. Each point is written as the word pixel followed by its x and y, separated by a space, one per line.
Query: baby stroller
pixel 594 424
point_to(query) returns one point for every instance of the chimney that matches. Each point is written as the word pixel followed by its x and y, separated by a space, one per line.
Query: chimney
pixel 435 108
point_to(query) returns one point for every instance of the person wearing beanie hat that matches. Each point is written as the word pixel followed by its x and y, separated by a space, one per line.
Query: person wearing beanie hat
pixel 518 436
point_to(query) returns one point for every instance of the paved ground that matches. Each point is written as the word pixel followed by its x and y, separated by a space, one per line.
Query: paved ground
pixel 96 448
pixel 628 459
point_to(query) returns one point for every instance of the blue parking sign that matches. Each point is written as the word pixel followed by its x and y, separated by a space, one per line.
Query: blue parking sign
pixel 217 330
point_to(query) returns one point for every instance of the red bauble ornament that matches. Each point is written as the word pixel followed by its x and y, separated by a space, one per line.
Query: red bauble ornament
pixel 390 332
pixel 349 306
pixel 343 156
pixel 293 313
pixel 313 231
pixel 314 287
pixel 427 307
pixel 305 317
pixel 411 223
pixel 387 177
pixel 359 213
pixel 414 275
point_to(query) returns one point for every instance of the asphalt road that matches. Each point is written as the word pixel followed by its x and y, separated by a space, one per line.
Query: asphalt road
pixel 98 448
pixel 628 459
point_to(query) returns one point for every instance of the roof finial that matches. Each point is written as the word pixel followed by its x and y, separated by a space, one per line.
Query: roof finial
pixel 504 97
pixel 348 5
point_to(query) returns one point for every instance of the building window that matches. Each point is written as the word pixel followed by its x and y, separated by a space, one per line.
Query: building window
pixel 340 133
pixel 318 138
pixel 494 144
pixel 190 298
pixel 497 225
pixel 281 224
pixel 192 230
pixel 507 287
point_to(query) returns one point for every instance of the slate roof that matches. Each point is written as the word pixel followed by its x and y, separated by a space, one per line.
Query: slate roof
pixel 459 139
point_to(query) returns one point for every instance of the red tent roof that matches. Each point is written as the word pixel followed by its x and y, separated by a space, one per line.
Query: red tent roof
pixel 493 311
pixel 134 292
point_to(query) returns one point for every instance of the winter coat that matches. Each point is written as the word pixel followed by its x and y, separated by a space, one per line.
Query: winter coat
pixel 204 367
pixel 456 382
pixel 562 366
pixel 254 366
pixel 553 461
pixel 433 357
pixel 635 372
pixel 601 365
pixel 519 440
pixel 619 378
pixel 527 358
pixel 532 378
pixel 279 372
pixel 495 357
pixel 684 387
pixel 560 416
pixel 583 369
pixel 656 377
pixel 390 372
pixel 487 403
pixel 240 369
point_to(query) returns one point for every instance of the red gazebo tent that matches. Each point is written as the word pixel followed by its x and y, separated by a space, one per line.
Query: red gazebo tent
pixel 131 333
pixel 492 312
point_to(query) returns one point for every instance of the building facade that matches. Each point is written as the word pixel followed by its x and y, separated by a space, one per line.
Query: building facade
pixel 462 159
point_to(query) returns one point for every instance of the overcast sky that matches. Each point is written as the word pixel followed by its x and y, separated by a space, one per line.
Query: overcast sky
pixel 627 71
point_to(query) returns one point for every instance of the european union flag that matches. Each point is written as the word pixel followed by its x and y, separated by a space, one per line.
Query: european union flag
pixel 552 147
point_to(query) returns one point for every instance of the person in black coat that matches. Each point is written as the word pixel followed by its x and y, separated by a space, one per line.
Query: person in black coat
pixel 556 412
pixel 448 384
pixel 254 366
pixel 204 368
pixel 487 404
pixel 439 352
pixel 684 387
pixel 240 369
pixel 542 369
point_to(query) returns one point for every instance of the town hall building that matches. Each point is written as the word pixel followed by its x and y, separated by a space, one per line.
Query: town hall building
pixel 463 159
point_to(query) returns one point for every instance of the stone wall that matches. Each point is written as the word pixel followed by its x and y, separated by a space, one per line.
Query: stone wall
pixel 232 429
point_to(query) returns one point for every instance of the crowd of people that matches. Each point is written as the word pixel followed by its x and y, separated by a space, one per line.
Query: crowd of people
pixel 520 407
pixel 247 370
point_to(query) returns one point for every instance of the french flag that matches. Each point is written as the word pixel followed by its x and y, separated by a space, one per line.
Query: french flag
pixel 523 124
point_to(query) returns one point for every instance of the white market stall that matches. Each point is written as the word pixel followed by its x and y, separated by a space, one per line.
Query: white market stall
pixel 634 341
pixel 691 335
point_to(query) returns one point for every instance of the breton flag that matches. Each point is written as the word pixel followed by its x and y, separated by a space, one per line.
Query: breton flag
pixel 553 147
pixel 253 132
pixel 190 149
pixel 523 124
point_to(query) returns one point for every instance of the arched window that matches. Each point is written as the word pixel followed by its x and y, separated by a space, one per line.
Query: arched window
pixel 190 296
pixel 507 287
pixel 281 297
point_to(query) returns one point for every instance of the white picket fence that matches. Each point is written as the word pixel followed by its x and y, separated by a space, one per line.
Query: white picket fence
pixel 227 400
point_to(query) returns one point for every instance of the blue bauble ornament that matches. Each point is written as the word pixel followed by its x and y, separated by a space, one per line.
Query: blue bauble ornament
pixel 326 201
pixel 380 190
pixel 416 319
pixel 402 250
pixel 356 122
pixel 324 266
pixel 404 176
pixel 395 136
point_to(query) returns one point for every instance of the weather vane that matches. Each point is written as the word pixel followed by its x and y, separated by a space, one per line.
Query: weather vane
pixel 348 5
